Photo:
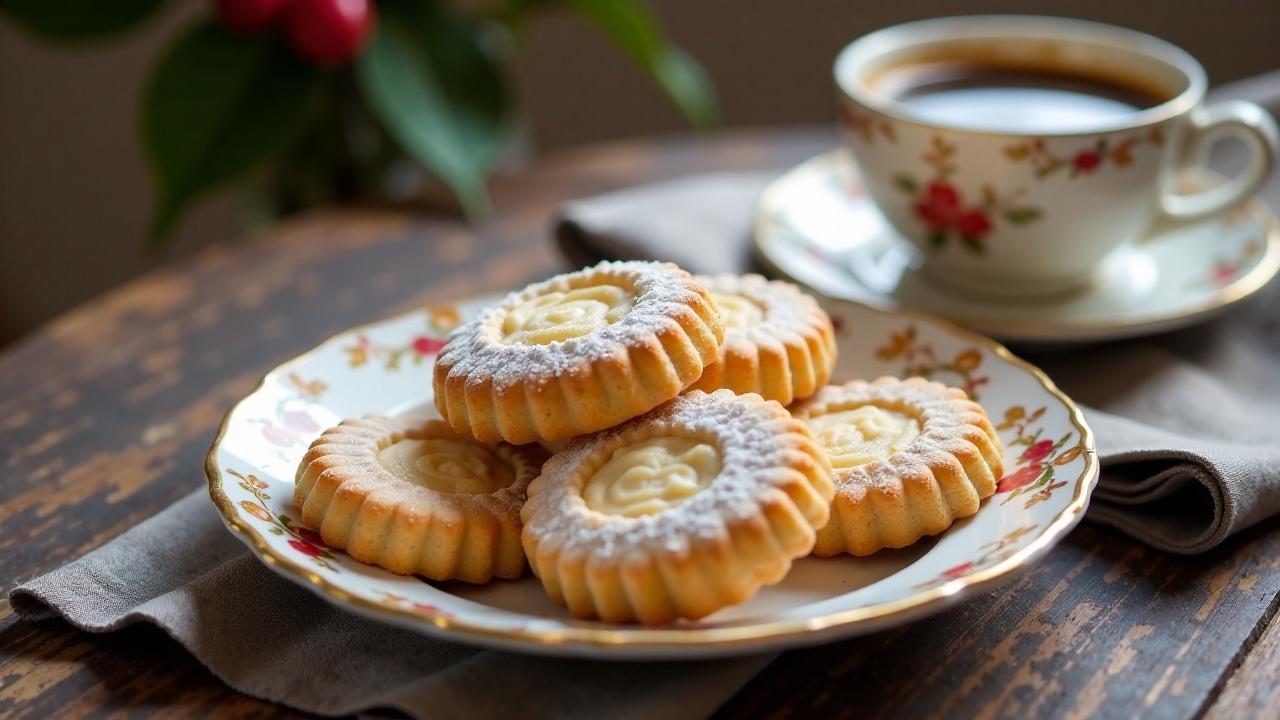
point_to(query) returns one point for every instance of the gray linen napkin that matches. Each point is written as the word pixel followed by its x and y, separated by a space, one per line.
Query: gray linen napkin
pixel 264 636
pixel 1185 422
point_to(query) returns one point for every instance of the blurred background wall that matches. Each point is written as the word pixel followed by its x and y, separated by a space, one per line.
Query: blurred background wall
pixel 75 197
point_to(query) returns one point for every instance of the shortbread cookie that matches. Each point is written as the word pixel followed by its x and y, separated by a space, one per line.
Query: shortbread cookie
pixel 578 353
pixel 414 497
pixel 777 341
pixel 908 458
pixel 678 513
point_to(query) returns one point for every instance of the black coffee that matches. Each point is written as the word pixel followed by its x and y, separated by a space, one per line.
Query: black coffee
pixel 1004 99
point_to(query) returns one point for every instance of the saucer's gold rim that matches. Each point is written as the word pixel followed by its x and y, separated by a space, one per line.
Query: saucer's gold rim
pixel 1070 331
pixel 656 640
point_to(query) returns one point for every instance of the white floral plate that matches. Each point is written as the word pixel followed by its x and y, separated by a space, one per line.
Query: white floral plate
pixel 386 368
pixel 817 226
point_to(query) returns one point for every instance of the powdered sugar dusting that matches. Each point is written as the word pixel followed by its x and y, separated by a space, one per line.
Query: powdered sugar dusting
pixel 787 310
pixel 944 413
pixel 753 439
pixel 662 292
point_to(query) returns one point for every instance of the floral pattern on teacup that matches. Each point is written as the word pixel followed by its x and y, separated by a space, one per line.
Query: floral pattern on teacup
pixel 947 212
pixel 1117 152
pixel 866 126
pixel 941 207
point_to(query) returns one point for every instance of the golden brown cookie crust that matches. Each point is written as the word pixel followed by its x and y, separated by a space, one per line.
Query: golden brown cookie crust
pixel 769 491
pixel 777 341
pixel 351 489
pixel 563 358
pixel 914 477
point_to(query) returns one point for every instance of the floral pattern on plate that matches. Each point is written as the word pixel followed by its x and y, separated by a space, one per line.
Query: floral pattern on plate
pixel 251 483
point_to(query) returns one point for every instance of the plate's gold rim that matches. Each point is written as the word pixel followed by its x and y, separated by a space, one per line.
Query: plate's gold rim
pixel 657 639
pixel 1229 294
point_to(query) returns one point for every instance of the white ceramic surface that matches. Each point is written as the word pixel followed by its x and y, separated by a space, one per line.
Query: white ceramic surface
pixel 817 226
pixel 386 368
pixel 1035 211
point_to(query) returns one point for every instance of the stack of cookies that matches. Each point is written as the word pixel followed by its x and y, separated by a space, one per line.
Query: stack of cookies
pixel 654 445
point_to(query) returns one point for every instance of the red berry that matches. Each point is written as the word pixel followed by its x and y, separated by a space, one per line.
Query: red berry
pixel 329 33
pixel 250 17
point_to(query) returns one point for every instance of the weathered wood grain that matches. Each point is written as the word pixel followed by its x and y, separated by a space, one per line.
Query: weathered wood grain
pixel 105 416
pixel 1253 691
pixel 1102 629
pixel 106 413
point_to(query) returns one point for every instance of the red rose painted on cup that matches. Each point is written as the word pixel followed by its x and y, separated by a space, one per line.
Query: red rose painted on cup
pixel 944 211
pixel 1086 162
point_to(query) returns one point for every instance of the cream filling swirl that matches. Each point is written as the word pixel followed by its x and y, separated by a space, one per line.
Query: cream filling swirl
pixel 445 465
pixel 863 434
pixel 566 314
pixel 737 311
pixel 652 476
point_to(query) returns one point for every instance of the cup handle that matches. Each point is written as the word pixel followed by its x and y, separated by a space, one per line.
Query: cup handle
pixel 1236 118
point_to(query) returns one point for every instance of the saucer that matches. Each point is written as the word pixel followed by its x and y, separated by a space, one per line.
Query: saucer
pixel 816 226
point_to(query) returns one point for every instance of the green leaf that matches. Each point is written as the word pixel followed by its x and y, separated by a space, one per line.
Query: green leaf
pixel 634 27
pixel 937 239
pixel 441 96
pixel 78 19
pixel 906 183
pixel 216 106
pixel 1023 215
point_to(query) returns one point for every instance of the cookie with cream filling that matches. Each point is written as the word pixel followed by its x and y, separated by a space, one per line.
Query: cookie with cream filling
pixel 578 353
pixel 777 341
pixel 678 513
pixel 415 497
pixel 908 457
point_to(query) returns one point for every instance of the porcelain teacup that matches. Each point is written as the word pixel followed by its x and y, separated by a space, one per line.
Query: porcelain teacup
pixel 1000 204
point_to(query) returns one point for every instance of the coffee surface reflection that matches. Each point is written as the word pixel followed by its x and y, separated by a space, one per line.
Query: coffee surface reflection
pixel 1003 99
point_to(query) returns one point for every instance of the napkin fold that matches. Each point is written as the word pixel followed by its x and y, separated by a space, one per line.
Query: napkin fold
pixel 1185 422
pixel 183 572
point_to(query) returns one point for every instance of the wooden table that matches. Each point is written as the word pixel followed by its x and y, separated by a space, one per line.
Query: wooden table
pixel 106 413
